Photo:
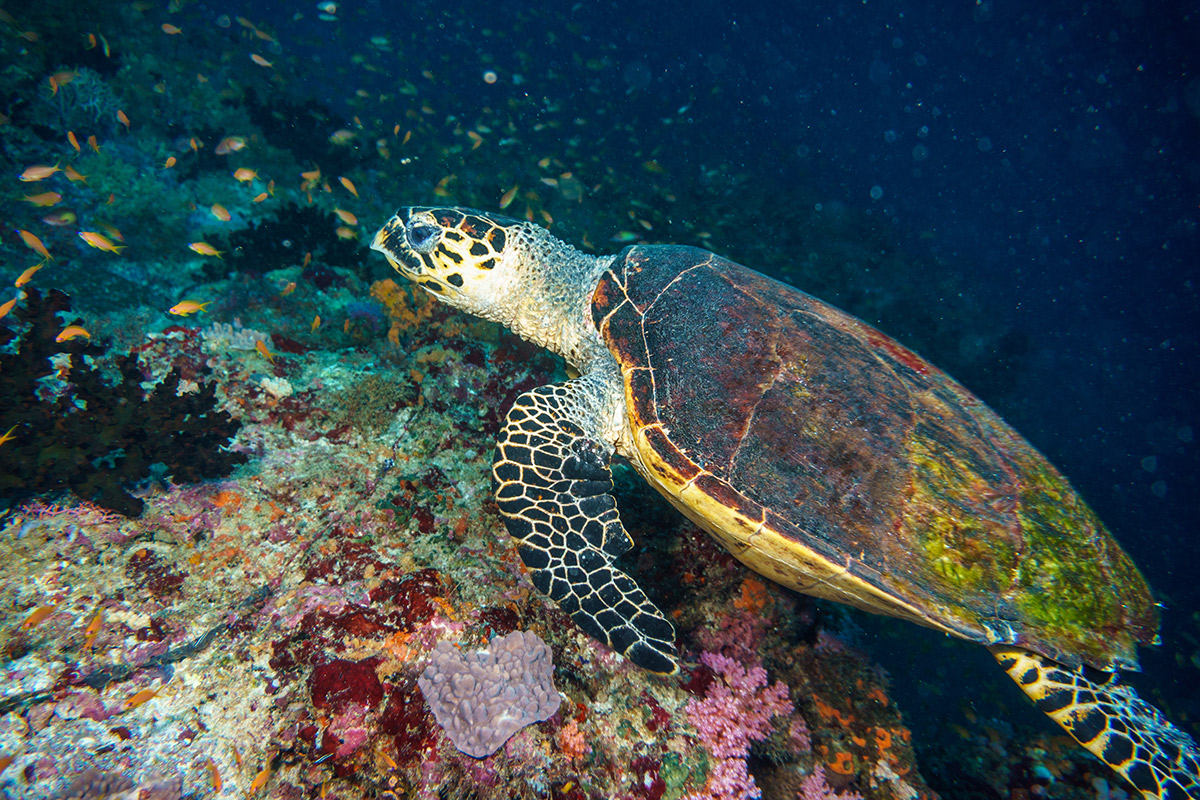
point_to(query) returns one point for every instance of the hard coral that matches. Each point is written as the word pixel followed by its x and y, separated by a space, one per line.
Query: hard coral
pixel 283 239
pixel 74 429
pixel 482 698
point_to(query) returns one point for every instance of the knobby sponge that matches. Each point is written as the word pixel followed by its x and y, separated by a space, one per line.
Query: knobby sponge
pixel 482 698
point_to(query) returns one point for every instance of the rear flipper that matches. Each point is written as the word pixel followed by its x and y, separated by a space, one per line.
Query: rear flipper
pixel 554 490
pixel 1111 721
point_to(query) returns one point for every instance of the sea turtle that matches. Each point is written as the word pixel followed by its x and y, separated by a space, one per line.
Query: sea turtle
pixel 820 452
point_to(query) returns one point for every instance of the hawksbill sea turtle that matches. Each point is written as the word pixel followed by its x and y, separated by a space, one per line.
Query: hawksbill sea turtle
pixel 818 451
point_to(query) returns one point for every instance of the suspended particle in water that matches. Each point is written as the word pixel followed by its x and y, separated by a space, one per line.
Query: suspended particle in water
pixel 876 192
pixel 489 77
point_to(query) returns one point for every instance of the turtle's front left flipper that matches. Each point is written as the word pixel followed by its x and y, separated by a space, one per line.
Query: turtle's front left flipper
pixel 1111 721
pixel 554 490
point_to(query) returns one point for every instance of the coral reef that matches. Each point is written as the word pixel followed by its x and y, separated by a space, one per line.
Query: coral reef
pixel 74 429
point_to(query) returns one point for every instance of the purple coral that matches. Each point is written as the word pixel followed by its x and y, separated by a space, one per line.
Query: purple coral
pixel 482 698
pixel 736 710
pixel 814 787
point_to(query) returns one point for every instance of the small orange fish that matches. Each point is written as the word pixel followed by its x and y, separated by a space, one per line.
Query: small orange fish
pixel 7 437
pixel 288 289
pixel 44 199
pixel 187 307
pixel 111 230
pixel 72 332
pixel 311 175
pixel 170 29
pixel 39 614
pixel 124 119
pixel 230 144
pixel 346 233
pixel 260 780
pixel 74 142
pixel 262 62
pixel 26 276
pixel 93 143
pixel 99 241
pixel 38 172
pixel 220 212
pixel 170 162
pixel 258 198
pixel 145 695
pixel 112 198
pixel 475 138
pixel 261 347
pixel 346 216
pixel 271 187
pixel 407 136
pixel 204 249
pixel 92 630
pixel 316 323
pixel 60 79
pixel 215 774
pixel 349 186
pixel 34 244
pixel 507 198
pixel 61 219
pixel 4 309
pixel 91 42
pixel 245 174
pixel 308 258
pixel 73 175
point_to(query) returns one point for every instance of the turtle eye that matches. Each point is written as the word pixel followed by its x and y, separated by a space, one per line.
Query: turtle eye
pixel 422 236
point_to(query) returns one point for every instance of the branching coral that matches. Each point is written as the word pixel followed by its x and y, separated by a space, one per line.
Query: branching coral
pixel 71 428
pixel 736 710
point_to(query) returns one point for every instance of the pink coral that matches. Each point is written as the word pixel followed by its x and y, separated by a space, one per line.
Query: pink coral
pixel 736 710
pixel 814 787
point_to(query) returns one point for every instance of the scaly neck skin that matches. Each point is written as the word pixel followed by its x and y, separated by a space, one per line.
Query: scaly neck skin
pixel 551 303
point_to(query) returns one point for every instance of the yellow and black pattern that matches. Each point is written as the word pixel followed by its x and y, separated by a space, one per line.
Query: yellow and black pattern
pixel 1111 721
pixel 554 490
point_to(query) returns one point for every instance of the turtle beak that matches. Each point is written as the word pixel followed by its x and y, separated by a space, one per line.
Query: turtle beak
pixel 386 242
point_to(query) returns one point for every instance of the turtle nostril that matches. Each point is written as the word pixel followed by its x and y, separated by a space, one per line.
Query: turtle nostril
pixel 422 237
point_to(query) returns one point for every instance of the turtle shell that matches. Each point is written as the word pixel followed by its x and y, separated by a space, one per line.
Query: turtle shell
pixel 834 461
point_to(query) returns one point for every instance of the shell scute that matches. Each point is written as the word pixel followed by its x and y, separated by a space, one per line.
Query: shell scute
pixel 838 462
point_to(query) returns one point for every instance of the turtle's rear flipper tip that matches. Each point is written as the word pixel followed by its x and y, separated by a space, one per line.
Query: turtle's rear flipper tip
pixel 1111 721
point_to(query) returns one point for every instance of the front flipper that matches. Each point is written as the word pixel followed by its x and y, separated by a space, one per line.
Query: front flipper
pixel 1111 721
pixel 554 489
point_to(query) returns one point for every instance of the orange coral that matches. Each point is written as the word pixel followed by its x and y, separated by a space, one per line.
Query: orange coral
pixel 571 741
pixel 754 596
pixel 405 309
pixel 843 764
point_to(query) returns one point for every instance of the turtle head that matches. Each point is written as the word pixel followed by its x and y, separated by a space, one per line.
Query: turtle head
pixel 505 270
pixel 470 259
